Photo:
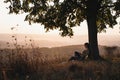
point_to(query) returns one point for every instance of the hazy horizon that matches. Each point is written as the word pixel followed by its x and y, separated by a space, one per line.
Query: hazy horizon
pixel 44 40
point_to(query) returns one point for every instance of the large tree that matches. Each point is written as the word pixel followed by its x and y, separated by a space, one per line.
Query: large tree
pixel 65 14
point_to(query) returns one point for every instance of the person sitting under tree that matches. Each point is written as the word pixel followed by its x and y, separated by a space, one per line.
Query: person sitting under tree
pixel 81 56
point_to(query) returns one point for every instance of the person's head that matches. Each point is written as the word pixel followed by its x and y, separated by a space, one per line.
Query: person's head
pixel 86 45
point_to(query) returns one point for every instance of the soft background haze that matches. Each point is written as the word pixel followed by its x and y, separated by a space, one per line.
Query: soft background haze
pixel 49 39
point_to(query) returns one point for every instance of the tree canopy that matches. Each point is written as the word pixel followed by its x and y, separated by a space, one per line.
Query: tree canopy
pixel 65 14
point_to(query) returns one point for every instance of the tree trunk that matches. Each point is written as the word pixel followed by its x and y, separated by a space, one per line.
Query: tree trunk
pixel 92 29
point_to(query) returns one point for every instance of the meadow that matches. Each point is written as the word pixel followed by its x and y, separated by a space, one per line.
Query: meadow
pixel 52 64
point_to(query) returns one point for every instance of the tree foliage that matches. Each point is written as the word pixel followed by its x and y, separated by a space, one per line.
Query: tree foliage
pixel 65 14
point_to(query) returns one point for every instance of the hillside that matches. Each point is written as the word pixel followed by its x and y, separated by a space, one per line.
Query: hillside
pixel 52 64
pixel 69 50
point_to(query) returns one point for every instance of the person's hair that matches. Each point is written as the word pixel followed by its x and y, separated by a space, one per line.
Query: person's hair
pixel 86 45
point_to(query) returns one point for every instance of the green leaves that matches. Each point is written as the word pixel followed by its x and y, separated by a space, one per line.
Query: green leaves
pixel 107 15
pixel 117 8
pixel 63 15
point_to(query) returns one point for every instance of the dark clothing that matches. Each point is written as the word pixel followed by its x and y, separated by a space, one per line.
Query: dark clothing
pixel 78 56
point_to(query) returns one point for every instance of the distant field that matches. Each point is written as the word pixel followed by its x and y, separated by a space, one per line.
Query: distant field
pixel 40 40
pixel 58 51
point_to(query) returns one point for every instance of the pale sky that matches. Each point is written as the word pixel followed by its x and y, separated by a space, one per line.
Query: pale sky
pixel 7 21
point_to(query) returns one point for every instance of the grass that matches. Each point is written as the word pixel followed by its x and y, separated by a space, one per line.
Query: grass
pixel 33 64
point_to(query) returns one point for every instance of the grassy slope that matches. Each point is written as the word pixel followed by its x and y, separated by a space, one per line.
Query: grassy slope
pixel 52 64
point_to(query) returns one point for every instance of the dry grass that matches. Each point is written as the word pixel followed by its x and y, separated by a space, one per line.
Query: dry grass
pixel 39 64
pixel 31 64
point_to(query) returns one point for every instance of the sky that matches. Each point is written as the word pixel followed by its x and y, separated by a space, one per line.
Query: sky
pixel 8 21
